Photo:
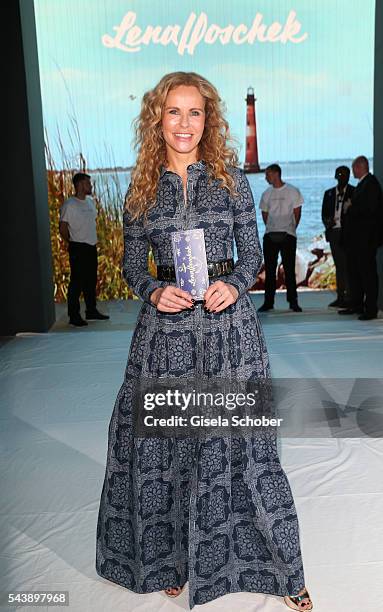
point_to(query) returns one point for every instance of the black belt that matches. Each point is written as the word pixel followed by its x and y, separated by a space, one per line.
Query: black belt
pixel 214 268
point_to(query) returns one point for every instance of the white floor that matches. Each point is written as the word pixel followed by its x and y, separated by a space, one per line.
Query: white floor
pixel 57 391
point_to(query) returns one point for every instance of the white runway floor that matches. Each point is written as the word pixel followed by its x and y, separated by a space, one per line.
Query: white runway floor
pixel 57 392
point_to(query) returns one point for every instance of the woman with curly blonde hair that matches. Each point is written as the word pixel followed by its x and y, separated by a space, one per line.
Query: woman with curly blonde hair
pixel 149 137
pixel 215 511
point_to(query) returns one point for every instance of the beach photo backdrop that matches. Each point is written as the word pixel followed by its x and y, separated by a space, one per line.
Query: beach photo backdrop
pixel 310 64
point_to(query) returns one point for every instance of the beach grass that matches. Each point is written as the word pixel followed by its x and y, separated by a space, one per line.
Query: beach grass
pixel 110 245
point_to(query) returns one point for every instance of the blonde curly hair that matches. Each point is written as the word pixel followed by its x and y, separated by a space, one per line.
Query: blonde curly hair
pixel 149 142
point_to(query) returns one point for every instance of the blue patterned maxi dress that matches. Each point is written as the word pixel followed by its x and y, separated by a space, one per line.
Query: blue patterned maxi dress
pixel 218 513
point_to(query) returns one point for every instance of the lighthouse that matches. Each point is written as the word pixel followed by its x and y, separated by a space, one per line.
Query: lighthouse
pixel 251 160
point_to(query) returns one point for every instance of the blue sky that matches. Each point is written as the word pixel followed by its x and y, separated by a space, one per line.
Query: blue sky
pixel 314 99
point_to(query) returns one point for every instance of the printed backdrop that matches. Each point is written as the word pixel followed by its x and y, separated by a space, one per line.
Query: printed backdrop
pixel 310 64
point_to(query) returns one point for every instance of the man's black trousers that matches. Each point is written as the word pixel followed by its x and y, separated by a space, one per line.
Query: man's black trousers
pixel 340 261
pixel 287 247
pixel 83 277
pixel 363 277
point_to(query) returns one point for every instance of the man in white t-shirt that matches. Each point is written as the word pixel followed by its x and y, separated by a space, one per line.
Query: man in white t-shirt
pixel 281 211
pixel 78 227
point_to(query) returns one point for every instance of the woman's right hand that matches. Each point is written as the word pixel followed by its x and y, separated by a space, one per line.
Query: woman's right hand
pixel 171 299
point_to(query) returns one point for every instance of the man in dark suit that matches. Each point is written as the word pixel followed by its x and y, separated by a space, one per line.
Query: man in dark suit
pixel 332 217
pixel 362 234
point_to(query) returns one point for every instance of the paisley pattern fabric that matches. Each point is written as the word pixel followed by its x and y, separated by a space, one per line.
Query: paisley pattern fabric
pixel 216 512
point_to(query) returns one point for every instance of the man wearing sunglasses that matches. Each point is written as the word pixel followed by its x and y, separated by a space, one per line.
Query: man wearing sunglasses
pixel 333 216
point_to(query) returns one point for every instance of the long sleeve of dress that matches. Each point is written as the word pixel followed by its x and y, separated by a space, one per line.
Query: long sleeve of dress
pixel 246 236
pixel 135 261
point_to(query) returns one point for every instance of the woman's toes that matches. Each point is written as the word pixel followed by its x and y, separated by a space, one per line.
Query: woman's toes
pixel 173 591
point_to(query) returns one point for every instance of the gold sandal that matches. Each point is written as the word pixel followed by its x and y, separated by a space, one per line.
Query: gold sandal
pixel 296 602
pixel 180 589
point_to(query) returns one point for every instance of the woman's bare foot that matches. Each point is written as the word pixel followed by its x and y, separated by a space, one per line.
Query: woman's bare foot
pixel 301 601
pixel 173 592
